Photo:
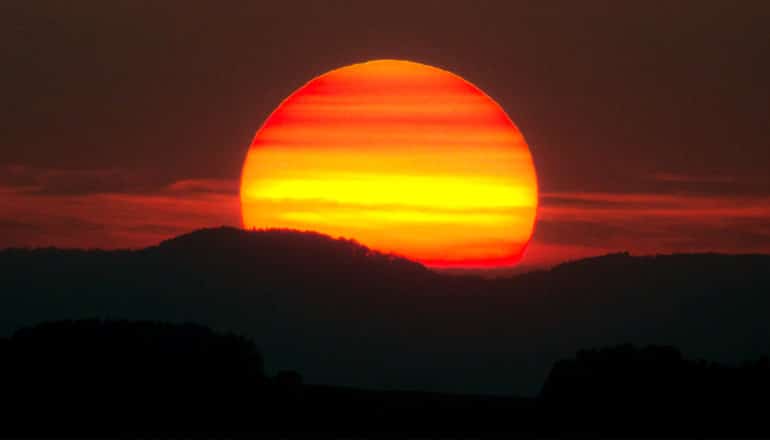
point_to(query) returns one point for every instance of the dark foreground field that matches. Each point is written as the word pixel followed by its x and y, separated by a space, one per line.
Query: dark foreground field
pixel 106 378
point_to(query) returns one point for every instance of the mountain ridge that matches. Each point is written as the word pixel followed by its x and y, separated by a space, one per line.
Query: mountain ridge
pixel 347 315
pixel 215 237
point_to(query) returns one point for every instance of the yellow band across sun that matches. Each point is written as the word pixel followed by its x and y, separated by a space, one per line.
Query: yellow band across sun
pixel 400 156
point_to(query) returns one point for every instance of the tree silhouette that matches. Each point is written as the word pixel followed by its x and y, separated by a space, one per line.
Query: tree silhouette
pixel 626 384
pixel 103 374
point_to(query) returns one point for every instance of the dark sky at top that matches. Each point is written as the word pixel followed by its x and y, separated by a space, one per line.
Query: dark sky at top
pixel 636 106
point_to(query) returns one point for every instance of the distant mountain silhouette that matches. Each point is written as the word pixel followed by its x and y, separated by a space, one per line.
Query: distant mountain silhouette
pixel 347 315
pixel 287 248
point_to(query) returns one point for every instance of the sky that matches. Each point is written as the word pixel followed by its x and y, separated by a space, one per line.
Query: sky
pixel 127 122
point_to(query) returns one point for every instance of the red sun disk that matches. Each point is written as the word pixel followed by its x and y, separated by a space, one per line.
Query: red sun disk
pixel 400 156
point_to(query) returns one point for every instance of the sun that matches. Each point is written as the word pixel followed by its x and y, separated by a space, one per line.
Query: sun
pixel 400 156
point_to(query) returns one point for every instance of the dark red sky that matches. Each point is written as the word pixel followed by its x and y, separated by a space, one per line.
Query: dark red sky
pixel 126 122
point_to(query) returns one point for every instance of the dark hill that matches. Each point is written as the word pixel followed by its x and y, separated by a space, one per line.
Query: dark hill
pixel 283 248
pixel 347 315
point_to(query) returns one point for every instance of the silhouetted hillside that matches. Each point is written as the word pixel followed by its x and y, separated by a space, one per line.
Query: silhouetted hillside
pixel 315 253
pixel 347 315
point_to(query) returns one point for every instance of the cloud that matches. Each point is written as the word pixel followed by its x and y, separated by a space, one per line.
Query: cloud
pixel 212 186
pixel 689 178
pixel 38 180
pixel 721 184
pixel 616 205
pixel 53 181
pixel 654 223
pixel 107 208
pixel 112 220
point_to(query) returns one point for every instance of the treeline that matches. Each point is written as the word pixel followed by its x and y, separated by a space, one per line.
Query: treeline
pixel 94 377
pixel 623 372
pixel 642 389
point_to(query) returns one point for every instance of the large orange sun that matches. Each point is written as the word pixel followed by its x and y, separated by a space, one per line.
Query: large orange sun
pixel 400 156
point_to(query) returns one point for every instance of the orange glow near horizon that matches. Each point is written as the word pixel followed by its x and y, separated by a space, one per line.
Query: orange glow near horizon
pixel 400 156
